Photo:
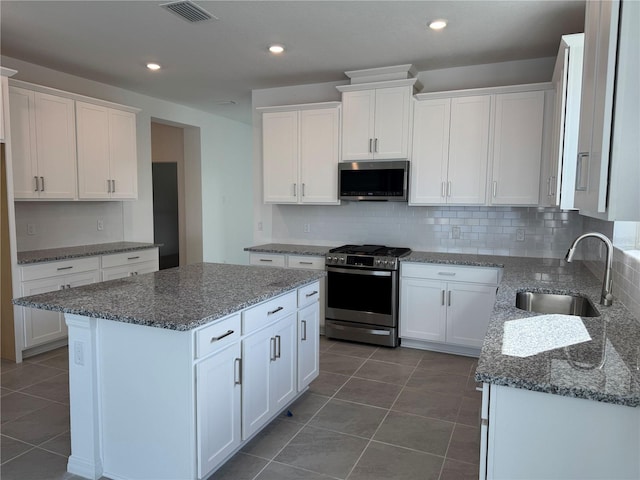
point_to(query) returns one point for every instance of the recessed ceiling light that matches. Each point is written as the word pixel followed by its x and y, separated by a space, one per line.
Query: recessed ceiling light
pixel 153 66
pixel 276 49
pixel 438 24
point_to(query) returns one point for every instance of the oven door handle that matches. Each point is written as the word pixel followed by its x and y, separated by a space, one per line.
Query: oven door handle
pixel 357 271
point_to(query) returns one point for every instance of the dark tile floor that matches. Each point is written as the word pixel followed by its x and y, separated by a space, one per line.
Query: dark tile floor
pixel 373 413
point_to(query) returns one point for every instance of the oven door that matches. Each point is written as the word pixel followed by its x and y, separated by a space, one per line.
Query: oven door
pixel 362 296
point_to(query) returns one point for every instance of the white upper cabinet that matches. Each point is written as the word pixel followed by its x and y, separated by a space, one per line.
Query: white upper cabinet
pixel 300 151
pixel 517 148
pixel 376 123
pixel 43 145
pixel 107 159
pixel 608 170
pixel 450 151
pixel 560 169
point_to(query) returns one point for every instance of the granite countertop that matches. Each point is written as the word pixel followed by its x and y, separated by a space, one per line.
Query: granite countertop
pixel 65 253
pixel 290 249
pixel 594 358
pixel 180 298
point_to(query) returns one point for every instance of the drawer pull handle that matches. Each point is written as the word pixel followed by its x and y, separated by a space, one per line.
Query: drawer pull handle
pixel 266 260
pixel 304 330
pixel 275 311
pixel 65 268
pixel 238 368
pixel 315 292
pixel 215 339
pixel 447 274
pixel 442 299
pixel 133 258
pixel 306 263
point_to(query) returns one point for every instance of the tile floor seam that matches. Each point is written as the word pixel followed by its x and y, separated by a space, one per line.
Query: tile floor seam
pixel 409 448
pixel 381 422
pixel 306 470
pixel 20 454
pixel 40 398
pixel 447 450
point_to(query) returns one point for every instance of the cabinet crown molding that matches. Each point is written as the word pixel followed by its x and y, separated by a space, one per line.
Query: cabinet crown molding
pixel 409 82
pixel 7 72
pixel 527 87
pixel 72 96
pixel 301 106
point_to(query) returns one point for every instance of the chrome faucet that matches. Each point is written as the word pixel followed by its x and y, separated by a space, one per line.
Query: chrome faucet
pixel 607 298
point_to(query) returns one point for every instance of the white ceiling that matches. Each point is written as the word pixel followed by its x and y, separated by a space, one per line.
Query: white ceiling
pixel 216 61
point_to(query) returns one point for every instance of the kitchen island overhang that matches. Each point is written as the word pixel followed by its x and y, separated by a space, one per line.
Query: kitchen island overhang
pixel 142 349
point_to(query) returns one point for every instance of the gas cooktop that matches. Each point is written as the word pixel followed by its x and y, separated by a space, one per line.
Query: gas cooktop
pixel 367 256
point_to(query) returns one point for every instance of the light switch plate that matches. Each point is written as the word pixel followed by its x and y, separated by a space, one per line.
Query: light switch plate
pixel 520 235
pixel 455 232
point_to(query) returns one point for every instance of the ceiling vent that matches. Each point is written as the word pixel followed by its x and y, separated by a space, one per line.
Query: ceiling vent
pixel 189 11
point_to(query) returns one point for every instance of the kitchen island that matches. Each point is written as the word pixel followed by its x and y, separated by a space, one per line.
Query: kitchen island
pixel 170 373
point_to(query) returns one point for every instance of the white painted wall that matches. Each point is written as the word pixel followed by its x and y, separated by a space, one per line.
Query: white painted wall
pixel 214 147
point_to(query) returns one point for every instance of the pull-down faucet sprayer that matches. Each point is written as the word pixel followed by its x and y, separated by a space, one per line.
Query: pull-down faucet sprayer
pixel 607 298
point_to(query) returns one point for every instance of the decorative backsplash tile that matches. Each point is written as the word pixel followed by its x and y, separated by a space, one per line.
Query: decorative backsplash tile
pixel 626 266
pixel 482 230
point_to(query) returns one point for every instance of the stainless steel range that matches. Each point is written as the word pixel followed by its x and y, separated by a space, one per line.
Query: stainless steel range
pixel 362 293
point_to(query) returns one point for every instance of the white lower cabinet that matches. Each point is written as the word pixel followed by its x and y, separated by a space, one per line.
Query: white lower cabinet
pixel 218 384
pixel 308 345
pixel 269 373
pixel 43 326
pixel 446 305
pixel 576 439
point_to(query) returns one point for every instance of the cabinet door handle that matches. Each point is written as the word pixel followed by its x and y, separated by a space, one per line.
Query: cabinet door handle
pixel 449 298
pixel 68 285
pixel 370 145
pixel 304 330
pixel 549 187
pixel 375 145
pixel 64 268
pixel 42 184
pixel 278 345
pixel 133 258
pixel 237 380
pixel 552 191
pixel 447 274
pixel 272 345
pixel 442 299
pixel 495 188
pixel 295 190
pixel 580 185
pixel 444 189
pixel 113 186
pixel 62 287
pixel 275 311
pixel 220 337
pixel 108 186
pixel 303 189
pixel 266 260
pixel 449 188
pixel 36 179
pixel 315 292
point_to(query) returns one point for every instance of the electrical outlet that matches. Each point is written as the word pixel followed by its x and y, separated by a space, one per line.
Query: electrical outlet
pixel 306 228
pixel 520 235
pixel 455 232
pixel 31 229
pixel 78 353
pixel 259 226
pixel 100 225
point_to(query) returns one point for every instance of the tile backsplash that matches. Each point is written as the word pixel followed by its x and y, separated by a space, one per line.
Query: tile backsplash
pixel 67 224
pixel 547 232
pixel 626 266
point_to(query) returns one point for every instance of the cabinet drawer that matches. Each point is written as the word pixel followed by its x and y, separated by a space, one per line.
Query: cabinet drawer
pixel 217 335
pixel 126 258
pixel 451 273
pixel 264 313
pixel 308 294
pixel 266 259
pixel 305 261
pixel 63 267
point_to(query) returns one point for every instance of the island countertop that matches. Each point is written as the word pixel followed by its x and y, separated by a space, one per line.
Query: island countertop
pixel 290 249
pixel 178 298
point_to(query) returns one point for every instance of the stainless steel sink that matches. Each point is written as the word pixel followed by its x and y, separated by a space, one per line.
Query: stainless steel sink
pixel 556 303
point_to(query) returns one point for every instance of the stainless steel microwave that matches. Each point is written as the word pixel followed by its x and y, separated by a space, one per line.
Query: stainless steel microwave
pixel 374 181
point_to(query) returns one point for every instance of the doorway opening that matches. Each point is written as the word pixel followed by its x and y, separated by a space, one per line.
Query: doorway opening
pixel 167 156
